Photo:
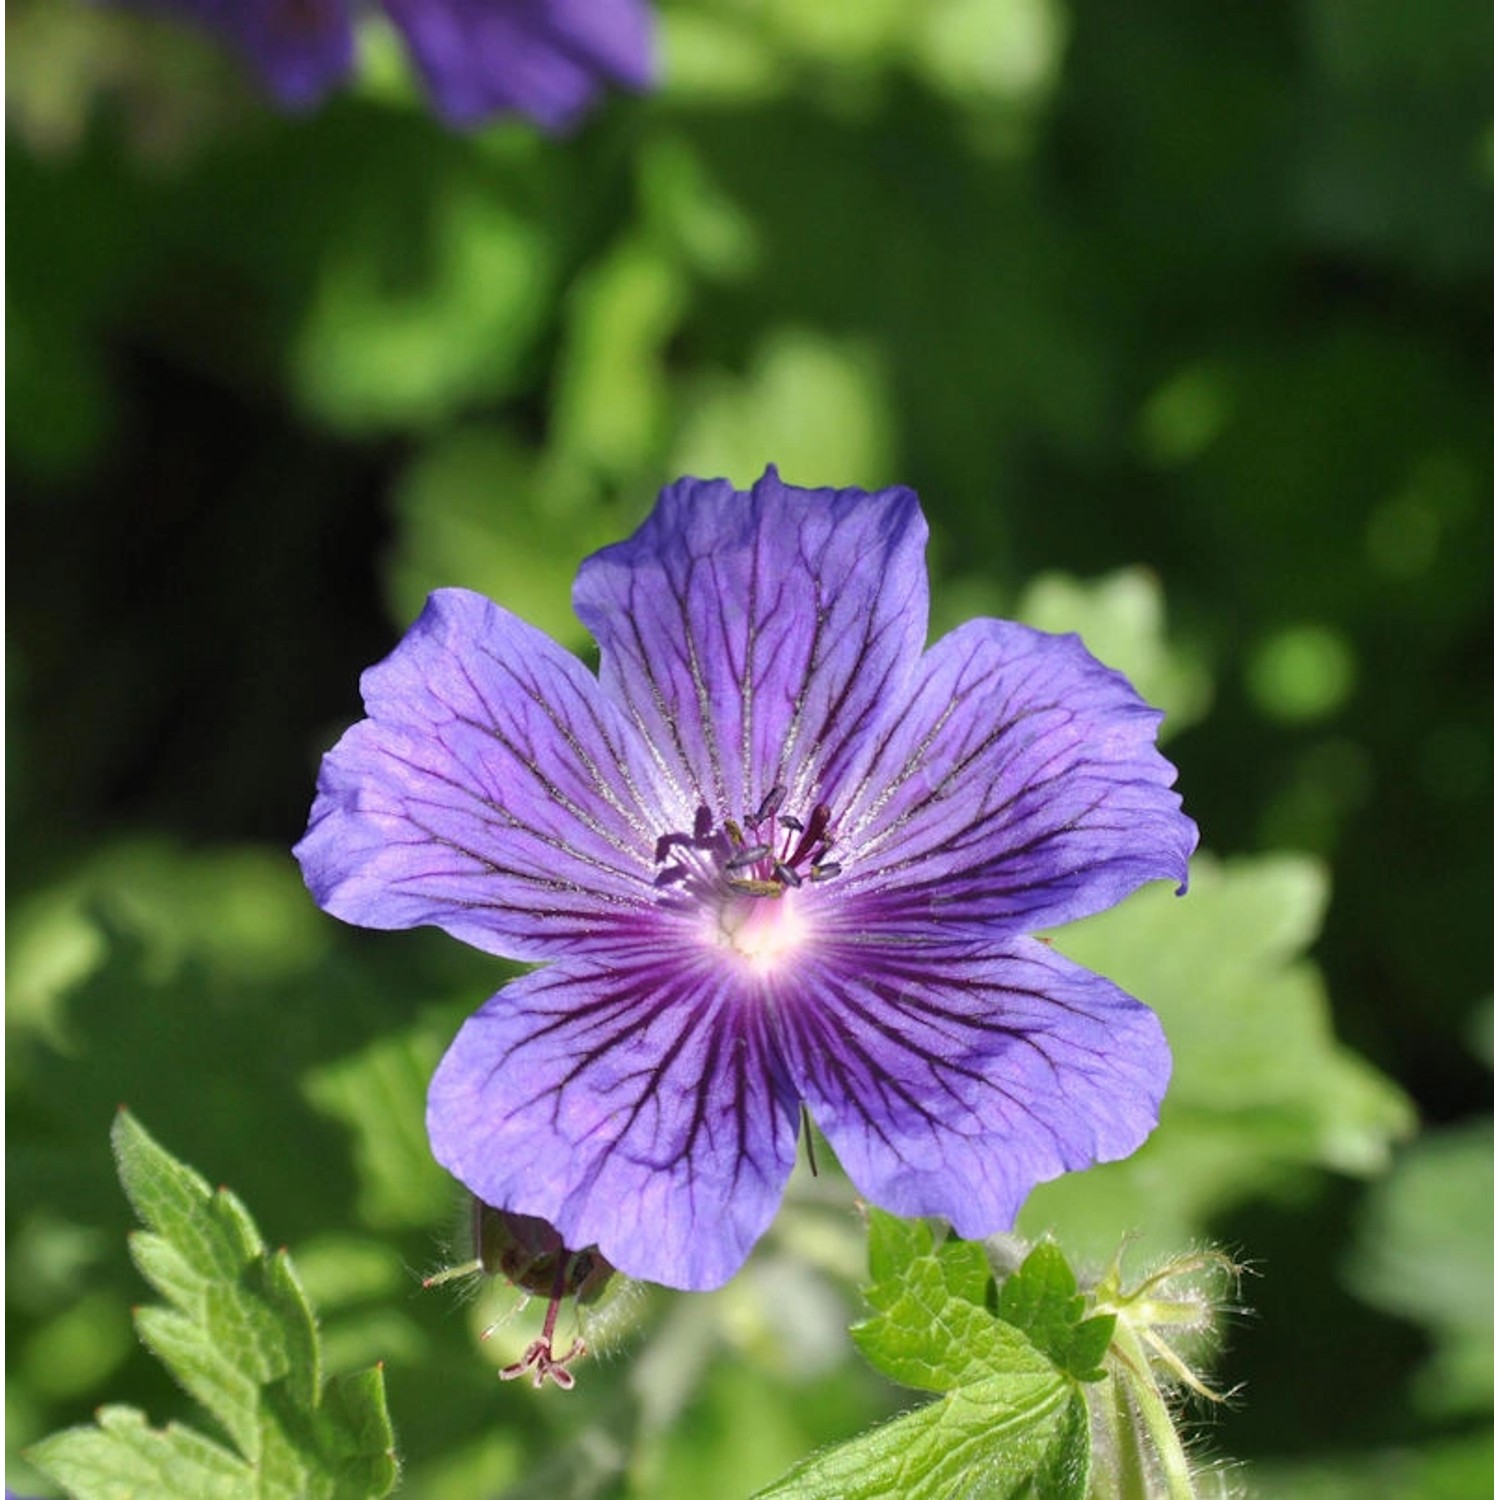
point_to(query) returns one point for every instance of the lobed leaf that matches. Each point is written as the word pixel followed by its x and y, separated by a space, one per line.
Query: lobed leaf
pixel 1010 1419
pixel 240 1337
pixel 930 1327
pixel 1042 1300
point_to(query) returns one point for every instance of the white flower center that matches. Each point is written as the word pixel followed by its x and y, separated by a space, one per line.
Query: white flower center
pixel 764 933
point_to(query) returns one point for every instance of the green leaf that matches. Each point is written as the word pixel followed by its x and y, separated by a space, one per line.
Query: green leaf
pixel 239 1335
pixel 810 404
pixel 1008 1421
pixel 996 1438
pixel 475 508
pixel 1043 1301
pixel 122 1458
pixel 429 304
pixel 895 1244
pixel 380 1093
pixel 931 1329
pixel 613 402
pixel 1426 1251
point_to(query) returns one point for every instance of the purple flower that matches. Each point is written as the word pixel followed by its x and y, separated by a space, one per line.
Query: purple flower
pixel 774 853
pixel 548 59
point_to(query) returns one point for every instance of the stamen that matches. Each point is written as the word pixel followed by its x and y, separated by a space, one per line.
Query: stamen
pixel 750 856
pixel 769 803
pixel 743 855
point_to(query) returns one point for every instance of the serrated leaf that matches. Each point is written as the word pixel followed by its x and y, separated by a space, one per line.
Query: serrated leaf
pixel 1009 1420
pixel 931 1329
pixel 240 1337
pixel 992 1439
pixel 929 1339
pixel 894 1242
pixel 170 1197
pixel 1042 1297
pixel 1042 1300
pixel 123 1459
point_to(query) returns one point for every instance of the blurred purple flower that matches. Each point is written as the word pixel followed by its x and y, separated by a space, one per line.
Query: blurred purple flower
pixel 548 59
pixel 775 852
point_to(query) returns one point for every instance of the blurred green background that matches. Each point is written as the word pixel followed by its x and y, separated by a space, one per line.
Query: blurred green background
pixel 1198 292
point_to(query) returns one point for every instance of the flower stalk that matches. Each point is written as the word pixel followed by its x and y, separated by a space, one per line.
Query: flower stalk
pixel 1140 1454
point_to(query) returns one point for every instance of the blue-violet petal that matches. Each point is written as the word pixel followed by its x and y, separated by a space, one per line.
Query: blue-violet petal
pixel 493 791
pixel 952 1082
pixel 638 1105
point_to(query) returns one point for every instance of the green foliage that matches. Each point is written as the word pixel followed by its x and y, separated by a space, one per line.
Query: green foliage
pixel 1043 1301
pixel 239 1334
pixel 379 1095
pixel 1009 1419
pixel 403 327
pixel 931 1327
pixel 1426 1251
pixel 447 537
pixel 1446 1469
pixel 811 405
pixel 1003 1436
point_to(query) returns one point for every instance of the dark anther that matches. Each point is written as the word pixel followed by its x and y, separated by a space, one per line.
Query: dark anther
pixel 769 803
pixel 752 856
pixel 746 857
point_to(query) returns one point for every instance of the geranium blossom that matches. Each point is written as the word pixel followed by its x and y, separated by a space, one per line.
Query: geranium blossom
pixel 548 59
pixel 775 854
